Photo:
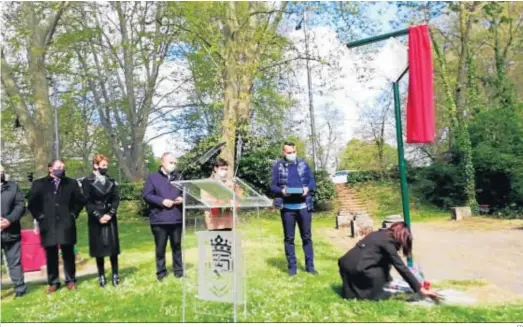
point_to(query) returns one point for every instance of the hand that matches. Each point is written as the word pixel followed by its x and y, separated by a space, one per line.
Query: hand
pixel 284 191
pixel 178 200
pixel 4 223
pixel 305 191
pixel 431 294
pixel 168 203
pixel 105 219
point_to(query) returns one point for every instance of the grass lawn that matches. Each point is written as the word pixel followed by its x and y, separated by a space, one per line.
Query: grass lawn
pixel 273 296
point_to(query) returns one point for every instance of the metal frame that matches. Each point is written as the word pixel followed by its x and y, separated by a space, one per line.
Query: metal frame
pixel 399 129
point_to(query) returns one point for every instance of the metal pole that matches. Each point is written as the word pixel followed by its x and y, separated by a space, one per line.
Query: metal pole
pixel 401 159
pixel 184 257
pixel 309 83
pixel 234 265
pixel 377 38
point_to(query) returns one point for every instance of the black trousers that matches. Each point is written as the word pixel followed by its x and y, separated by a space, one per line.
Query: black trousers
pixel 14 264
pixel 173 233
pixel 51 254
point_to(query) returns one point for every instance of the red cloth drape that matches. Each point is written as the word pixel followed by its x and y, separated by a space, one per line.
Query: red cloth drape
pixel 420 102
pixel 33 254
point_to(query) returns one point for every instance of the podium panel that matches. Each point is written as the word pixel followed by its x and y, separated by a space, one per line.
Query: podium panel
pixel 220 267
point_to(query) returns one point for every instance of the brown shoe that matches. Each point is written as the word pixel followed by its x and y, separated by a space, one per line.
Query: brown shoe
pixel 71 286
pixel 52 289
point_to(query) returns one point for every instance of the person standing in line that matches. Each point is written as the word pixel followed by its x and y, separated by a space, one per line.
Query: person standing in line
pixel 12 210
pixel 165 201
pixel 103 198
pixel 293 184
pixel 55 201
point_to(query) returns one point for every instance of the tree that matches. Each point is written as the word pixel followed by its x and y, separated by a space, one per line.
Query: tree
pixel 363 155
pixel 28 31
pixel 240 39
pixel 121 49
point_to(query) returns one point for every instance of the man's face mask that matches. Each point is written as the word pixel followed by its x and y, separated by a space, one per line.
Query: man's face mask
pixel 290 157
pixel 170 168
pixel 102 171
pixel 60 173
pixel 2 177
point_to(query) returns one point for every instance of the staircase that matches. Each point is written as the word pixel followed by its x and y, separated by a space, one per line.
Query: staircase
pixel 348 200
pixel 352 214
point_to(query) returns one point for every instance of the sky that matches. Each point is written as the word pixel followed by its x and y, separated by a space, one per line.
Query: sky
pixel 346 94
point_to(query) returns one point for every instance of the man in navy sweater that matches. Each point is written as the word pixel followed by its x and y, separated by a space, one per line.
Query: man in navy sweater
pixel 293 184
pixel 165 202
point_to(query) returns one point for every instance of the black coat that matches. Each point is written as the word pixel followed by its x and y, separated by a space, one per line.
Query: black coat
pixel 102 199
pixel 56 212
pixel 365 269
pixel 13 208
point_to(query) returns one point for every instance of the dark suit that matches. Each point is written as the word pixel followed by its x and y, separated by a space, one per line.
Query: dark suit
pixel 365 269
pixel 56 211
pixel 13 208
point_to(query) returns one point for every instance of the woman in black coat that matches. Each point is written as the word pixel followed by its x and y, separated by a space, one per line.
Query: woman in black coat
pixel 103 198
pixel 365 269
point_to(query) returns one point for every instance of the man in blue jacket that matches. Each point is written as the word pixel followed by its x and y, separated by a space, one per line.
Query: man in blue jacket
pixel 165 201
pixel 293 184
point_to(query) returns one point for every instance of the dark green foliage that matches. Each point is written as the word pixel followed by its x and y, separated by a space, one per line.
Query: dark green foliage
pixel 325 191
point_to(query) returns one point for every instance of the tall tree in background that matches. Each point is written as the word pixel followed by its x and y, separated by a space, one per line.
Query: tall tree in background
pixel 28 31
pixel 239 39
pixel 121 48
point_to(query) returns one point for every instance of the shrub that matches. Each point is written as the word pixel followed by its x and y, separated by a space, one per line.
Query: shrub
pixel 325 191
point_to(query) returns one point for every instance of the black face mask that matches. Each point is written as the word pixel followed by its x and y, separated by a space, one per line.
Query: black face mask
pixel 102 171
pixel 59 173
pixel 2 177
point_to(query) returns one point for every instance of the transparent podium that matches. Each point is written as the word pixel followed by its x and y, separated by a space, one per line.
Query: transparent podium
pixel 213 243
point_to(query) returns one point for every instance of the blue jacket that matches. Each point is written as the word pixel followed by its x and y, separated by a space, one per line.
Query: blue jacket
pixel 157 188
pixel 280 173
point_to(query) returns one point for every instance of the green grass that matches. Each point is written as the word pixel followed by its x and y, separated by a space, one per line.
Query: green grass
pixel 384 199
pixel 272 296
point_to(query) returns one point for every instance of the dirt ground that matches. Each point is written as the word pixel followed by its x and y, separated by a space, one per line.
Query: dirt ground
pixel 482 256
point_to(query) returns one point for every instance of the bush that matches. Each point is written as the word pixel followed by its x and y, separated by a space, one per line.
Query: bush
pixel 325 191
pixel 439 184
pixel 363 176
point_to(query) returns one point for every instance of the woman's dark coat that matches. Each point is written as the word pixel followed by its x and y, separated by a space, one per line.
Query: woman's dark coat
pixel 102 199
pixel 56 210
pixel 365 269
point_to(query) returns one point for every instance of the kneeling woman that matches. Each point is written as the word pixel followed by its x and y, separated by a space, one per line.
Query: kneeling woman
pixel 365 269
pixel 103 198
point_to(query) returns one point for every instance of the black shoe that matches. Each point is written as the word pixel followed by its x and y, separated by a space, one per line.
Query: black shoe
pixel 20 294
pixel 313 272
pixel 116 280
pixel 293 272
pixel 178 275
pixel 161 277
pixel 102 281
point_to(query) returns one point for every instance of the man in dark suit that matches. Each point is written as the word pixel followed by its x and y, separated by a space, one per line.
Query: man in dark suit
pixel 13 208
pixel 55 202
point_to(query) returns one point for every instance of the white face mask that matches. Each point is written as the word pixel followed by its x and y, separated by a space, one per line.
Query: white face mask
pixel 171 168
pixel 221 174
pixel 290 157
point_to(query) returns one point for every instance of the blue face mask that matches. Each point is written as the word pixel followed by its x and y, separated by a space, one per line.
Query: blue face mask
pixel 290 157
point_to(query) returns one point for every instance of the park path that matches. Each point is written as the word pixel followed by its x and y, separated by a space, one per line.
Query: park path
pixel 461 251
